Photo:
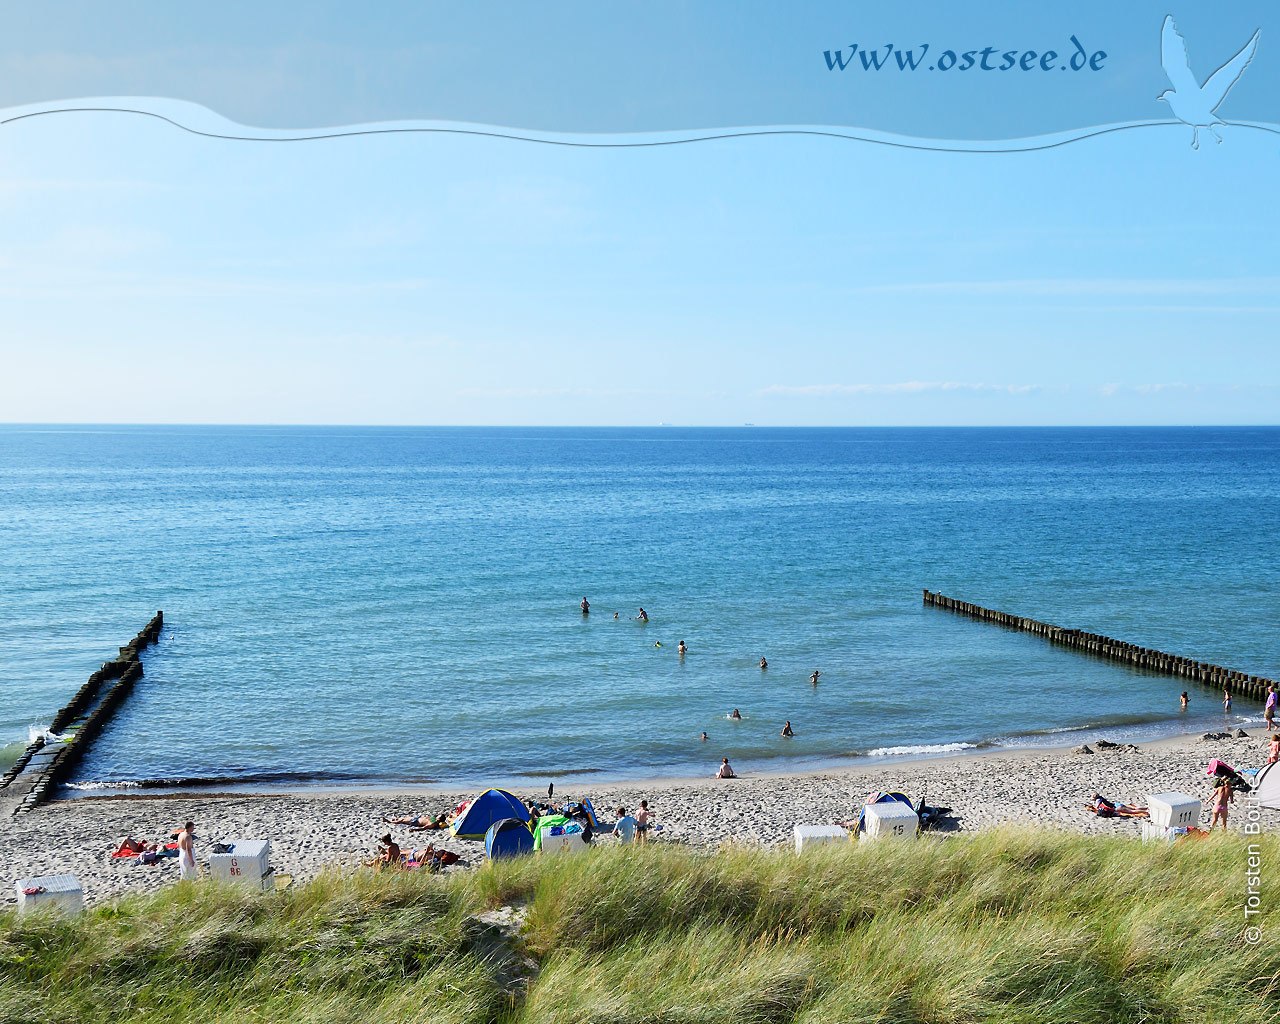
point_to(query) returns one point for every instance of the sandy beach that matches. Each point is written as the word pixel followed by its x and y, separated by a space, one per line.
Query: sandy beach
pixel 310 830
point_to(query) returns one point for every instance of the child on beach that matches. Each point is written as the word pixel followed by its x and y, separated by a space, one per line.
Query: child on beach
pixel 1226 700
pixel 1222 796
pixel 1273 754
pixel 725 772
pixel 643 817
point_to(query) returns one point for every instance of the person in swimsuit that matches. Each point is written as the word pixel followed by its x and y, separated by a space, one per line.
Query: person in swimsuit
pixel 187 851
pixel 421 820
pixel 1222 796
pixel 644 817
pixel 682 649
pixel 585 606
pixel 615 615
pixel 725 772
pixel 643 616
pixel 1185 700
pixel 1226 700
pixel 1274 754
pixel 814 678
pixel 764 663
pixel 737 715
pixel 389 853
pixel 786 730
pixel 704 736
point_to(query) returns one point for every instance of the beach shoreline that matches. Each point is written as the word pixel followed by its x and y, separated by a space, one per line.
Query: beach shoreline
pixel 311 829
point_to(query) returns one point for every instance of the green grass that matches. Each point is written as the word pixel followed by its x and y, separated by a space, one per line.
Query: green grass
pixel 1010 926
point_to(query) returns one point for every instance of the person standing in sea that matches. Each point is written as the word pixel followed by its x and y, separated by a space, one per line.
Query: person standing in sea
pixel 643 616
pixel 814 678
pixel 585 606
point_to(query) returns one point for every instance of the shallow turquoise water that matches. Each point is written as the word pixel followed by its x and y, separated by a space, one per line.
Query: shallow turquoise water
pixel 387 605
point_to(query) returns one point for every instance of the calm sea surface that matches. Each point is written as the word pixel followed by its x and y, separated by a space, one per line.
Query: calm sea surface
pixel 381 606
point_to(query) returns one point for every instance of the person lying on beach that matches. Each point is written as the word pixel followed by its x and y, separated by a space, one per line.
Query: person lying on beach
pixel 726 771
pixel 419 820
pixel 786 730
pixel 1104 808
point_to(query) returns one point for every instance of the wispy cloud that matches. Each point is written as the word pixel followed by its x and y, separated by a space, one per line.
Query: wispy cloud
pixel 1147 389
pixel 903 387
pixel 1084 286
pixel 560 392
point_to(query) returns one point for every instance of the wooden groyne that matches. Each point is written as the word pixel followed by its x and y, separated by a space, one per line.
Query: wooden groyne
pixel 32 778
pixel 1238 683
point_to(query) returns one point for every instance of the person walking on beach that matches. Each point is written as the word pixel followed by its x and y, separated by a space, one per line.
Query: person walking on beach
pixel 786 730
pixel 726 771
pixel 585 606
pixel 187 851
pixel 814 678
pixel 1270 712
pixel 1222 796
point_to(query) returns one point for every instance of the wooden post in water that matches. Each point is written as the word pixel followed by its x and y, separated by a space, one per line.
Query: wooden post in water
pixel 1239 683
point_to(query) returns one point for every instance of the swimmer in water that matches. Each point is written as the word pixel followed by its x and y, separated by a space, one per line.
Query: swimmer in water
pixel 682 649
pixel 764 663
pixel 786 730
pixel 736 714
pixel 643 616
pixel 615 615
pixel 585 606
pixel 704 736
pixel 814 678
pixel 1185 700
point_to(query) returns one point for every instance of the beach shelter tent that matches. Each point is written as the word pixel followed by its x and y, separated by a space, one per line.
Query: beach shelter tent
pixel 509 837
pixel 489 808
pixel 879 798
pixel 1266 786
pixel 556 833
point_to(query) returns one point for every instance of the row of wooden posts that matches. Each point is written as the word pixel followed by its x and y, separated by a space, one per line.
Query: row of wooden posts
pixel 1234 682
pixel 47 762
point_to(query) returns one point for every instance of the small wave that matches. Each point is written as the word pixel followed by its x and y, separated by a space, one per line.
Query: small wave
pixel 42 732
pixel 922 748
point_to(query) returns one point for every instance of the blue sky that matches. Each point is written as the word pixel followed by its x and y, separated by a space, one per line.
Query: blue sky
pixel 153 276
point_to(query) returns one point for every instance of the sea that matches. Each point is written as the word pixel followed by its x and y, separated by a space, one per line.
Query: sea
pixel 369 606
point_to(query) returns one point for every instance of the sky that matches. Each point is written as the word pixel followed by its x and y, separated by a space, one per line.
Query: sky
pixel 149 275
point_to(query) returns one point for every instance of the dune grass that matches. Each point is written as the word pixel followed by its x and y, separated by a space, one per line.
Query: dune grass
pixel 1010 926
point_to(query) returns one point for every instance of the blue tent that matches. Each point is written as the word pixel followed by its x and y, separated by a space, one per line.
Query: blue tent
pixel 509 837
pixel 489 808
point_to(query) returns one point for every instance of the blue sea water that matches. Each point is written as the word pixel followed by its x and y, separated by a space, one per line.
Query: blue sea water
pixel 386 606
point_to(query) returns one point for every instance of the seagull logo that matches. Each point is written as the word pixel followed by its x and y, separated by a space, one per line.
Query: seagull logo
pixel 1192 103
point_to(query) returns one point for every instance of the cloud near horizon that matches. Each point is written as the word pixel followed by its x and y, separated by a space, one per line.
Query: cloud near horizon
pixel 903 387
